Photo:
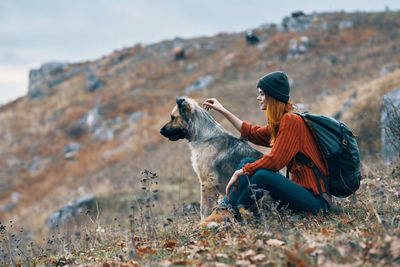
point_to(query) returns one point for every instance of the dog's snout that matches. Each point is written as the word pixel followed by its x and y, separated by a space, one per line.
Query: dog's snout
pixel 179 101
pixel 162 131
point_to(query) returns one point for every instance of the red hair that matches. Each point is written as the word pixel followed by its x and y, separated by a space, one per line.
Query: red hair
pixel 275 111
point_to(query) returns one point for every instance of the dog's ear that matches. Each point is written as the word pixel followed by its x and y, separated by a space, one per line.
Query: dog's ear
pixel 183 107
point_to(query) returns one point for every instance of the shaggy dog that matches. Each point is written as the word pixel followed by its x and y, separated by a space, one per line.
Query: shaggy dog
pixel 216 153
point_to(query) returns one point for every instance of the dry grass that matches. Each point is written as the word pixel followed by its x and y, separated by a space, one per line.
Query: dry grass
pixel 148 80
pixel 364 114
pixel 360 231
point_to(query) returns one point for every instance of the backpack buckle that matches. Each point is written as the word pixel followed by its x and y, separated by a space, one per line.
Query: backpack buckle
pixel 298 167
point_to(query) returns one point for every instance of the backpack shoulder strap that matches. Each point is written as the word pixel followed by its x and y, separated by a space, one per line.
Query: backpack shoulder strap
pixel 304 160
pixel 310 128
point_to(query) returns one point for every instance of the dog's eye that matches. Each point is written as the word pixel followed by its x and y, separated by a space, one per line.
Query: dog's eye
pixel 172 117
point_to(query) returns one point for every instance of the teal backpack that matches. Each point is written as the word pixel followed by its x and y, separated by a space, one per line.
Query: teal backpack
pixel 340 151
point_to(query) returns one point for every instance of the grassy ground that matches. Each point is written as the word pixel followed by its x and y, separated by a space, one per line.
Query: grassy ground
pixel 361 231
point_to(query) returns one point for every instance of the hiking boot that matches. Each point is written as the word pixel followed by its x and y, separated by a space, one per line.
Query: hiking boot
pixel 218 215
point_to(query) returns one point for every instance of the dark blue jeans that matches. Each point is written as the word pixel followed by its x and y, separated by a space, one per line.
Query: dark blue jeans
pixel 280 188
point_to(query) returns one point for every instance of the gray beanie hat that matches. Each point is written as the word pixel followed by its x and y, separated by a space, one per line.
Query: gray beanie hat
pixel 275 84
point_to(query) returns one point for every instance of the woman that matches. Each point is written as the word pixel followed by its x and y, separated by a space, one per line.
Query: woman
pixel 288 135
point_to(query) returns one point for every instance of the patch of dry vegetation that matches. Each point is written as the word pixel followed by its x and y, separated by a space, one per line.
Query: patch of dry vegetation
pixel 147 79
pixel 363 116
pixel 360 231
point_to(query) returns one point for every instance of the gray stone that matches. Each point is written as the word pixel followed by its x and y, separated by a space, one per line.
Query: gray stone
pixel 34 166
pixel 71 150
pixel 92 118
pixel 89 122
pixel 199 84
pixel 345 24
pixel 262 46
pixel 191 67
pixel 128 132
pixel 93 83
pixel 388 68
pixel 298 24
pixel 104 133
pixel 15 196
pixel 211 46
pixel 119 59
pixel 117 121
pixel 299 46
pixel 390 126
pixel 13 161
pixel 65 76
pixel 8 206
pixel 135 117
pixel 38 78
pixel 71 210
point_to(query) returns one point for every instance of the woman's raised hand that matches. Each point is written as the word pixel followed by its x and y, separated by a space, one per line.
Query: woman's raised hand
pixel 213 103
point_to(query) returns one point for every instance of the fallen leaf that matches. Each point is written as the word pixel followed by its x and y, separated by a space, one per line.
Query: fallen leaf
pixel 310 250
pixel 145 250
pixel 275 242
pixel 182 262
pixel 293 257
pixel 170 244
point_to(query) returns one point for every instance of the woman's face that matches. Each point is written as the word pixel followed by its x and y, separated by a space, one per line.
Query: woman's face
pixel 262 100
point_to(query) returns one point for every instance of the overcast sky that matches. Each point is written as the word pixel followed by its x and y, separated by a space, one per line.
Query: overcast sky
pixel 33 32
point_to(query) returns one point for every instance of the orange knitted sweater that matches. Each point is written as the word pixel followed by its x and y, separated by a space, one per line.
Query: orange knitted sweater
pixel 293 137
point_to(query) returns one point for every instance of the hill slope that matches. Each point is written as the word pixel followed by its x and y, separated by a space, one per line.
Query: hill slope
pixel 112 108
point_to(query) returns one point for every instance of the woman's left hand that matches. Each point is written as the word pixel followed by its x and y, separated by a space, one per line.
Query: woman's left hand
pixel 234 181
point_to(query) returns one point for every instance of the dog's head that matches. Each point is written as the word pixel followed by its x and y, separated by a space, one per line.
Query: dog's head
pixel 179 127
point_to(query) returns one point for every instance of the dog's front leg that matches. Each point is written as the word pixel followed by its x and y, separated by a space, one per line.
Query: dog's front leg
pixel 209 197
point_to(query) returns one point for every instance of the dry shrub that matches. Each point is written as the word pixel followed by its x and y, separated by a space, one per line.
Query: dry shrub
pixel 364 114
pixel 355 37
pixel 128 107
pixel 280 44
pixel 71 116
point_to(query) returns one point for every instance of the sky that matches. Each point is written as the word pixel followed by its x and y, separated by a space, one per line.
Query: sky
pixel 40 31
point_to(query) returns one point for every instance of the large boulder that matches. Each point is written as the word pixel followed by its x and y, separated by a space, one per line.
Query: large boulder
pixel 72 210
pixel 390 126
pixel 299 23
pixel 38 78
pixel 65 76
pixel 15 196
pixel 93 82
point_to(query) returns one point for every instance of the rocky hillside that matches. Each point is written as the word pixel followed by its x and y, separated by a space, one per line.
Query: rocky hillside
pixel 92 127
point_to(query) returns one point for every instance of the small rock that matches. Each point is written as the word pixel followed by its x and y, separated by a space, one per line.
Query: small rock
pixel 93 83
pixel 71 150
pixel 71 210
pixel 199 84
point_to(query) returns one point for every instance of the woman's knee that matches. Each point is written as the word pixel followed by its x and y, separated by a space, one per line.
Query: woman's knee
pixel 262 176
